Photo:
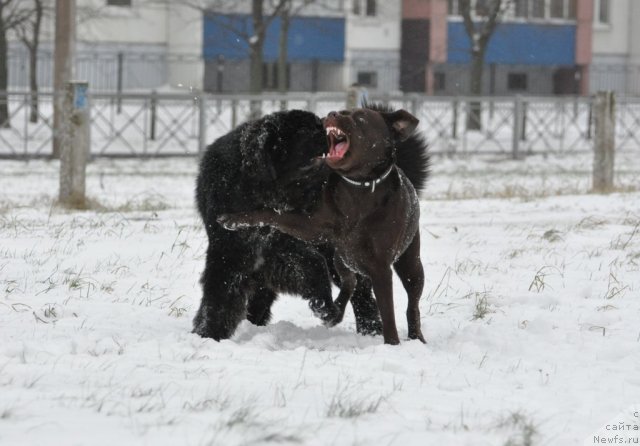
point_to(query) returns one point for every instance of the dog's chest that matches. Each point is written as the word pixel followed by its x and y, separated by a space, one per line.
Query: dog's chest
pixel 371 226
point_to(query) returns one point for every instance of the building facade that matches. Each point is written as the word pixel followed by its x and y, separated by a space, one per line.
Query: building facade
pixel 122 45
pixel 616 47
pixel 330 45
pixel 540 47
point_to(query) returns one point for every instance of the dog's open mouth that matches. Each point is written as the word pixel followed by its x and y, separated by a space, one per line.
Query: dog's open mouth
pixel 338 144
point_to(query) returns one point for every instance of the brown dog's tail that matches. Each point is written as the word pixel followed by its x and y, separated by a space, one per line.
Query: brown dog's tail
pixel 412 154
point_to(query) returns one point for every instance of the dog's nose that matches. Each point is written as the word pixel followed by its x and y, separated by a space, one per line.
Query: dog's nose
pixel 332 114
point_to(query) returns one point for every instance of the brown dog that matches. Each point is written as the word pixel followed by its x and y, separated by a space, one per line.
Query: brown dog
pixel 368 211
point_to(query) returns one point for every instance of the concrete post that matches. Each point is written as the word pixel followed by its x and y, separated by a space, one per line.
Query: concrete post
pixel 604 142
pixel 202 123
pixel 517 127
pixel 74 144
pixel 64 55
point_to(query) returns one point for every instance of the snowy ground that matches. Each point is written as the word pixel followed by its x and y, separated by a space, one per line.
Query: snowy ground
pixel 531 313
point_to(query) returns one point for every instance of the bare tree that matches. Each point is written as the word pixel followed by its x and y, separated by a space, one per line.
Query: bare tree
pixel 288 11
pixel 479 28
pixel 283 50
pixel 261 19
pixel 12 15
pixel 29 33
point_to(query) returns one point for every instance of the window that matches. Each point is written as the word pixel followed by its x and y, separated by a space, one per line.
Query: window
pixel 439 81
pixel 453 7
pixel 522 8
pixel 482 8
pixel 603 12
pixel 541 9
pixel 270 76
pixel 517 82
pixel 537 9
pixel 556 9
pixel 572 9
pixel 355 7
pixel 368 79
pixel 367 7
pixel 371 8
pixel 118 2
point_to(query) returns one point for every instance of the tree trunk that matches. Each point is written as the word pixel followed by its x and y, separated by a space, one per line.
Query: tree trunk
pixel 474 115
pixel 256 43
pixel 4 76
pixel 283 54
pixel 63 63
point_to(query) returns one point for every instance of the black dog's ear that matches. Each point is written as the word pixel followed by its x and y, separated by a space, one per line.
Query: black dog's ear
pixel 257 144
pixel 402 123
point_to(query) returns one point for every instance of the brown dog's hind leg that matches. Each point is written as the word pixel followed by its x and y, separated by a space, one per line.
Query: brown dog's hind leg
pixel 381 278
pixel 409 269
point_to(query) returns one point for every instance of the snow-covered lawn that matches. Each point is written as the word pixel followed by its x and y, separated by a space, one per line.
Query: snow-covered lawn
pixel 531 312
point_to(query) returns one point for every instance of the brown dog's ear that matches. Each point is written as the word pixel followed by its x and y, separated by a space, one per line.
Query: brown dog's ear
pixel 402 123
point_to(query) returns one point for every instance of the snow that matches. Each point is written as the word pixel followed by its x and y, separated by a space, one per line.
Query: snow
pixel 530 312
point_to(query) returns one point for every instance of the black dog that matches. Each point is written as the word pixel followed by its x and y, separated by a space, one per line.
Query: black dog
pixel 368 211
pixel 270 163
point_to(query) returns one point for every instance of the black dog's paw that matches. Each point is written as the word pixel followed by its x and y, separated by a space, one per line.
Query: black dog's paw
pixel 328 312
pixel 233 222
pixel 369 327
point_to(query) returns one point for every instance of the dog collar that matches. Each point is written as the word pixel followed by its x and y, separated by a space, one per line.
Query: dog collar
pixel 370 183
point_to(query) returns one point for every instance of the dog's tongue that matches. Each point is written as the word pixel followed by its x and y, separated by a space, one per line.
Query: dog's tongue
pixel 338 150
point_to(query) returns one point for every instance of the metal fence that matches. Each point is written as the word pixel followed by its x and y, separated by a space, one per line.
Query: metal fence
pixel 155 125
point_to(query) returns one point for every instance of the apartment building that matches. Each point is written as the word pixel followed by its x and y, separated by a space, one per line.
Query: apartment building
pixel 330 45
pixel 616 47
pixel 539 47
pixel 123 44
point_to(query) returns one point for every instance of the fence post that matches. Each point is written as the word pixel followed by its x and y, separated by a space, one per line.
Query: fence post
pixel 454 121
pixel 517 127
pixel 604 142
pixel 154 110
pixel 311 103
pixel 414 105
pixel 590 118
pixel 75 145
pixel 234 113
pixel 202 123
pixel 119 82
pixel 523 119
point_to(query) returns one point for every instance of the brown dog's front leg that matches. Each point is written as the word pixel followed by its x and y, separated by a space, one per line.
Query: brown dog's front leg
pixel 383 290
